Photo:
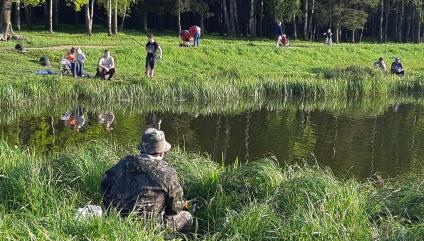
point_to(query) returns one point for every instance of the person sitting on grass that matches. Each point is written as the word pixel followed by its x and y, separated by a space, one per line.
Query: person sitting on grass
pixel 71 57
pixel 397 68
pixel 284 41
pixel 151 48
pixel 80 62
pixel 381 64
pixel 106 66
pixel 147 185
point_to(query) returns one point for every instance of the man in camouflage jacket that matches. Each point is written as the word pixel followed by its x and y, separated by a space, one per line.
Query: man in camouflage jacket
pixel 147 185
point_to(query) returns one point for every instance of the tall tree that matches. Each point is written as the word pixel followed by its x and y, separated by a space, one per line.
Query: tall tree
pixel 226 17
pixel 5 20
pixel 18 15
pixel 252 20
pixel 381 18
pixel 51 16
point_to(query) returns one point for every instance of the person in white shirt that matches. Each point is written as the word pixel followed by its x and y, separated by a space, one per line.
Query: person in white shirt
pixel 106 66
pixel 80 62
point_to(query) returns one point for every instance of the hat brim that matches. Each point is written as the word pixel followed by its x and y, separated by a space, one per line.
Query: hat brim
pixel 155 149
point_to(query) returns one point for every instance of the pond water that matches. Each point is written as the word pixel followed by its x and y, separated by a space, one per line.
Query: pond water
pixel 355 137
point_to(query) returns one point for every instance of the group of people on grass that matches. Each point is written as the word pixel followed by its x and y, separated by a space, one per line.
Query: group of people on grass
pixel 74 62
pixel 395 69
pixel 191 37
pixel 283 39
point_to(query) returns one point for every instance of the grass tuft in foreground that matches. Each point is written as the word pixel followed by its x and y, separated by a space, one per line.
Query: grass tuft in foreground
pixel 254 201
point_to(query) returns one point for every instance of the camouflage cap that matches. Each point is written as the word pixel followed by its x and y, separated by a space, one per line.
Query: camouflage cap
pixel 153 142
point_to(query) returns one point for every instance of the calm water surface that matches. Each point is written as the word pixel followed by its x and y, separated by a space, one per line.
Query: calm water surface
pixel 388 141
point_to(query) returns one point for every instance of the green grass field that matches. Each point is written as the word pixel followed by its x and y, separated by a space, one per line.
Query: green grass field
pixel 255 201
pixel 220 69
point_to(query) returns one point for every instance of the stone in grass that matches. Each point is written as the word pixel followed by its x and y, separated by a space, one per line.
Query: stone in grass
pixel 89 211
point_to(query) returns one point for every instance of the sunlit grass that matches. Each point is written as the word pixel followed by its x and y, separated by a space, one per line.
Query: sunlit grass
pixel 255 201
pixel 221 69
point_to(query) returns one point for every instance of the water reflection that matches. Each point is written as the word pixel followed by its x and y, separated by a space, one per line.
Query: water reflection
pixel 354 140
pixel 74 120
pixel 106 119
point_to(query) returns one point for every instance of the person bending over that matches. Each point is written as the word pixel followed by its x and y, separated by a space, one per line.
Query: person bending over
pixel 381 64
pixel 151 49
pixel 106 66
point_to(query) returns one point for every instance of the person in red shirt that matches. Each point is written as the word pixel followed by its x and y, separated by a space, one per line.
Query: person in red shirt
pixel 71 57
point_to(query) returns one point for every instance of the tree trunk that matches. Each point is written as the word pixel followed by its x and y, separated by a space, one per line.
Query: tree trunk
pixel 51 16
pixel 408 26
pixel 202 23
pixel 337 32
pixel 56 14
pixel 252 25
pixel 28 16
pixel 261 19
pixel 109 17
pixel 179 22
pixel 386 21
pixel 89 8
pixel 353 36
pixel 400 23
pixel 226 18
pixel 5 20
pixel 232 22
pixel 46 13
pixel 305 21
pixel 311 17
pixel 115 18
pixel 121 28
pixel 145 29
pixel 381 21
pixel 18 15
pixel 294 26
pixel 236 18
pixel 418 27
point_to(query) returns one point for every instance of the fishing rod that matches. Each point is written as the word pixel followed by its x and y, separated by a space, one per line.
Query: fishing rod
pixel 142 45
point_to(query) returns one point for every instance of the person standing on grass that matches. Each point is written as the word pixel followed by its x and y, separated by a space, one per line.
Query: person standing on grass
pixel 397 68
pixel 329 38
pixel 80 62
pixel 380 64
pixel 71 57
pixel 195 32
pixel 106 66
pixel 278 32
pixel 147 186
pixel 151 49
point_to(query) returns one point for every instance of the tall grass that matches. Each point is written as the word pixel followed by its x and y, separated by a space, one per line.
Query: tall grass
pixel 256 201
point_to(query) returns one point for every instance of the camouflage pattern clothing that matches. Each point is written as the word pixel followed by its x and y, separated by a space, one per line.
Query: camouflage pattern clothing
pixel 148 186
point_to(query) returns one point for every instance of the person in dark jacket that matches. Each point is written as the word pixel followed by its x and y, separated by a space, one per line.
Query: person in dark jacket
pixel 278 32
pixel 397 68
pixel 147 185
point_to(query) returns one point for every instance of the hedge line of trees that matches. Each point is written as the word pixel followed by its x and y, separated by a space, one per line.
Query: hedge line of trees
pixel 350 20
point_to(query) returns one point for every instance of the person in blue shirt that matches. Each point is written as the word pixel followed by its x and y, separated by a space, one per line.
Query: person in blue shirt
pixel 278 32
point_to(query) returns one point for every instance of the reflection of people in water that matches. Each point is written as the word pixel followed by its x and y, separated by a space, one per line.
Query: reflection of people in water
pixel 106 118
pixel 75 120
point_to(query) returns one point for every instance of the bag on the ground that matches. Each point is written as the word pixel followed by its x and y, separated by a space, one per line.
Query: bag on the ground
pixel 20 48
pixel 44 61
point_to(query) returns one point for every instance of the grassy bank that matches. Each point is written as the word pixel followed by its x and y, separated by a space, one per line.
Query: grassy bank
pixel 221 69
pixel 256 201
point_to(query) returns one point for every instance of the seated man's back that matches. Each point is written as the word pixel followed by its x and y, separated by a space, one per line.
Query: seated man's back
pixel 141 184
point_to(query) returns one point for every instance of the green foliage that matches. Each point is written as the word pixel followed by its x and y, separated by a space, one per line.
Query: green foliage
pixel 258 201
